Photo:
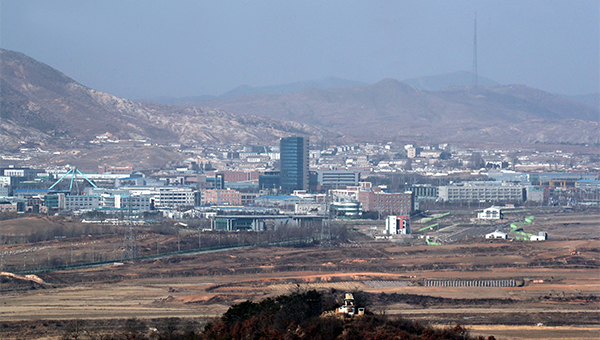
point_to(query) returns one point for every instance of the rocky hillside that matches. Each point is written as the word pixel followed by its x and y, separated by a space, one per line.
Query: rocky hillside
pixel 393 109
pixel 40 104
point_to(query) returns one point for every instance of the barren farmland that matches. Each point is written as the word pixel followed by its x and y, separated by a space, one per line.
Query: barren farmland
pixel 512 289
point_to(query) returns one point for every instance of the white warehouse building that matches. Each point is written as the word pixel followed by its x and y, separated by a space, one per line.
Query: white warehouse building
pixel 482 192
pixel 106 201
pixel 497 234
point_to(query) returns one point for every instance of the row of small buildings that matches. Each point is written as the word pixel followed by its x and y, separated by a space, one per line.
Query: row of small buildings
pixel 349 202
pixel 540 236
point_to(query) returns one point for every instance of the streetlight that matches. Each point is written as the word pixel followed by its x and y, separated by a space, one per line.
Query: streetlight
pixel 199 237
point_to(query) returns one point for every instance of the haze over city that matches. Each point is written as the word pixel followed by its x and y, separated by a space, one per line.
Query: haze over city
pixel 331 170
pixel 144 49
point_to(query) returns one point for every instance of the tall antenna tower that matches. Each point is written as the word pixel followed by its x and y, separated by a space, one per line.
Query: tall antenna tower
pixel 475 75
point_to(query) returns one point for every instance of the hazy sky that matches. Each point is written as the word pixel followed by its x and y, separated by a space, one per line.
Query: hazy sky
pixel 143 48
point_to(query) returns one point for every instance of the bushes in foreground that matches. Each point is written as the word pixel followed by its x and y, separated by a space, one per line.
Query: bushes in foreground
pixel 298 316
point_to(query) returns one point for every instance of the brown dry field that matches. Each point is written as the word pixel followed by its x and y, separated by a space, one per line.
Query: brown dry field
pixel 560 281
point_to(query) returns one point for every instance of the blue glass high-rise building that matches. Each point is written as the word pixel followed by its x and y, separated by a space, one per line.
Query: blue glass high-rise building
pixel 293 153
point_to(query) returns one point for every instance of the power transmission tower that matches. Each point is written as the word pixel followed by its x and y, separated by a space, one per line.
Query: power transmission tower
pixel 326 223
pixel 129 245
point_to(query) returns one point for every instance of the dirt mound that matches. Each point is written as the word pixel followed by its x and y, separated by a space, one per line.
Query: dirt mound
pixel 12 281
pixel 168 299
pixel 219 299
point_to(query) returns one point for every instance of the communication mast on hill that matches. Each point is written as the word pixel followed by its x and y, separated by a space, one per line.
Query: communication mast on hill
pixel 475 76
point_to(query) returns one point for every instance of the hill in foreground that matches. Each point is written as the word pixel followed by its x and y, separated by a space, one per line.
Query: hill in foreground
pixel 300 315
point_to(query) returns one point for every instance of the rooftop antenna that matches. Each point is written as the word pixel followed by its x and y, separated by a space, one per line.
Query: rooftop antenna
pixel 475 76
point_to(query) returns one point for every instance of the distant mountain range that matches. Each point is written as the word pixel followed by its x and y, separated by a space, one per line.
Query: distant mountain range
pixel 40 104
pixel 443 81
pixel 325 83
pixel 591 100
pixel 428 83
pixel 392 109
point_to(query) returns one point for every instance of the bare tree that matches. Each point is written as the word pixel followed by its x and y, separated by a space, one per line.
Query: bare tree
pixel 74 330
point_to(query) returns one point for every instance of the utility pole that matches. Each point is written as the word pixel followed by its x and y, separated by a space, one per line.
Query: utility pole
pixel 178 240
pixel 129 244
pixel 326 222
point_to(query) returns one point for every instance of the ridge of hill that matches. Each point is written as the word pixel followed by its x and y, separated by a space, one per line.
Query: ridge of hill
pixel 591 100
pixel 392 109
pixel 40 104
pixel 242 90
pixel 442 81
